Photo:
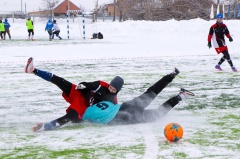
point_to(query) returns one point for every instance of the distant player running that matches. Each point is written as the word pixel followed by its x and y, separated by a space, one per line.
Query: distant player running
pixel 217 33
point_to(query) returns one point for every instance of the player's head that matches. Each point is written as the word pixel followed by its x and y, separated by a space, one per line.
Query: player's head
pixel 54 21
pixel 219 18
pixel 116 84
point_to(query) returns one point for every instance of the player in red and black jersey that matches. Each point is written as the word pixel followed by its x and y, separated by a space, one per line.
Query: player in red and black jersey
pixel 216 34
pixel 79 96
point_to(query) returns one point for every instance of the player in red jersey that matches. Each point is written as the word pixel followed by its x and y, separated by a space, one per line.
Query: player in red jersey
pixel 217 33
pixel 79 96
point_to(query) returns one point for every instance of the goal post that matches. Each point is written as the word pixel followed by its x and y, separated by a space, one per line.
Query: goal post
pixel 83 21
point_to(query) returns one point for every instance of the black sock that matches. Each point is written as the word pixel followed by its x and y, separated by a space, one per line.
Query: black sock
pixel 230 62
pixel 35 71
pixel 221 61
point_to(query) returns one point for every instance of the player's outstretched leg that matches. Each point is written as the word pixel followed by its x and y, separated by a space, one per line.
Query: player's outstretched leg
pixel 71 115
pixel 43 74
pixel 163 82
pixel 150 115
pixel 141 102
pixel 172 102
pixel 63 84
pixel 45 126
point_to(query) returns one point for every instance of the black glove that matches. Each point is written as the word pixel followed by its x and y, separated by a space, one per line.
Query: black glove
pixel 230 39
pixel 82 85
pixel 209 45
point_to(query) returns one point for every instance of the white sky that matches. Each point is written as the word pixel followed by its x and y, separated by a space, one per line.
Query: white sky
pixel 34 5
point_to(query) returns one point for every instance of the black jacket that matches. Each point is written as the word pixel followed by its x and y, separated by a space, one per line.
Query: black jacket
pixel 97 91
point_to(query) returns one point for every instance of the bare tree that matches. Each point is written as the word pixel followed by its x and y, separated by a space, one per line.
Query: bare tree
pixel 166 9
pixel 95 12
pixel 49 5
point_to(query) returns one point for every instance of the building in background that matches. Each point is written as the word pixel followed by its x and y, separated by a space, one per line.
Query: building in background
pixel 59 10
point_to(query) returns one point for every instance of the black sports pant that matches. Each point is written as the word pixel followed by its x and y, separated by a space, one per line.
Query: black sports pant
pixel 133 111
pixel 66 87
pixel 56 33
pixel 2 33
pixel 30 31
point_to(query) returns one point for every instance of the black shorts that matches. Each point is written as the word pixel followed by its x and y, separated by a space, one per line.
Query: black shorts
pixel 30 31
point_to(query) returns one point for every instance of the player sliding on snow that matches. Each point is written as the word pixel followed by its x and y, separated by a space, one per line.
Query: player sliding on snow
pixel 216 33
pixel 129 112
pixel 134 111
pixel 79 96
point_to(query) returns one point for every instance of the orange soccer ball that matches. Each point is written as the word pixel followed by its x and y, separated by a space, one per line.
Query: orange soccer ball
pixel 173 132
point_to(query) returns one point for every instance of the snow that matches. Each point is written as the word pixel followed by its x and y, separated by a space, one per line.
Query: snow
pixel 139 51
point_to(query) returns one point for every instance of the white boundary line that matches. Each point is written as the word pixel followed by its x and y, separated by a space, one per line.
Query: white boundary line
pixel 106 59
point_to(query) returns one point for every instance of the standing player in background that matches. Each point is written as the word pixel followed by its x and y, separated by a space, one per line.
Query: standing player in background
pixel 30 28
pixel 7 30
pixel 49 27
pixel 2 30
pixel 56 30
pixel 216 33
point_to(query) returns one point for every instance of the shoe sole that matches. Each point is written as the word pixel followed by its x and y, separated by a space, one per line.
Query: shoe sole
pixel 29 61
pixel 189 93
pixel 37 127
pixel 219 69
pixel 184 91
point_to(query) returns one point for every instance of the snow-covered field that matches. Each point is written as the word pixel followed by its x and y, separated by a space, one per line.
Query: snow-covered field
pixel 139 51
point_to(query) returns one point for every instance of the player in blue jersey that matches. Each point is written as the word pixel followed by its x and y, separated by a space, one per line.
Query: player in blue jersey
pixel 49 26
pixel 7 30
pixel 133 111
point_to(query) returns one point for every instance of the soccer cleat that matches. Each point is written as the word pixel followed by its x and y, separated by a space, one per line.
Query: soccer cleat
pixel 175 72
pixel 186 92
pixel 234 69
pixel 218 67
pixel 29 68
pixel 38 128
